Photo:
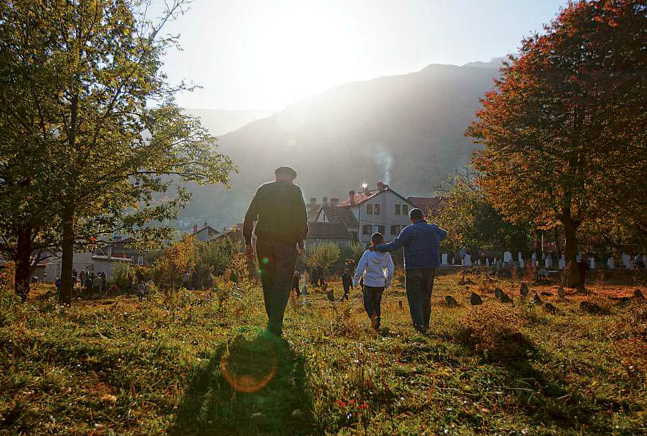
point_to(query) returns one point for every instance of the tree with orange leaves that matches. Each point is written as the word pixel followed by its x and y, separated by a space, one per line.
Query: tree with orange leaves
pixel 564 128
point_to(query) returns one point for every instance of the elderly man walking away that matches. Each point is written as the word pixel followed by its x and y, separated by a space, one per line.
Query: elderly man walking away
pixel 420 242
pixel 281 220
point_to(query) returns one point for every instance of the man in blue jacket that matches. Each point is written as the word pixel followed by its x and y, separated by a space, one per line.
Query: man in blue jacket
pixel 420 242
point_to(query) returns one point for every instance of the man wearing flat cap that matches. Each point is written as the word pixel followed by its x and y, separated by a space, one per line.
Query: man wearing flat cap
pixel 281 220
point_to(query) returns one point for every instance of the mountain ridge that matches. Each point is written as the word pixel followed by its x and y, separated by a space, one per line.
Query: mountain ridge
pixel 406 130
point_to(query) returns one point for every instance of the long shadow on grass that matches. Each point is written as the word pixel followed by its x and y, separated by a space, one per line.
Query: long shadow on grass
pixel 544 400
pixel 251 385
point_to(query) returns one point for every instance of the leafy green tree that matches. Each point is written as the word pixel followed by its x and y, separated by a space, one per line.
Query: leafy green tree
pixel 325 254
pixel 88 88
pixel 472 222
pixel 563 128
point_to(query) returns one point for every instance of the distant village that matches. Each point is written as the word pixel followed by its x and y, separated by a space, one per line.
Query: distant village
pixel 331 220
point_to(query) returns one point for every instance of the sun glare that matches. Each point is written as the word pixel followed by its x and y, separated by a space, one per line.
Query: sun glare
pixel 299 47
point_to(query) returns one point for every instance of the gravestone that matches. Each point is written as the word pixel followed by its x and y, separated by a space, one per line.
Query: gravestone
pixel 638 295
pixel 626 259
pixel 505 298
pixel 550 308
pixel 444 258
pixel 611 264
pixel 591 262
pixel 487 263
pixel 331 296
pixel 524 290
pixel 536 299
pixel 591 308
pixel 467 260
pixel 560 292
pixel 546 294
pixel 451 301
pixel 507 259
pixel 475 299
pixel 498 293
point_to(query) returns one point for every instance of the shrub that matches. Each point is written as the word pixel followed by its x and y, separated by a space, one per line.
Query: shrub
pixel 211 259
pixel 119 276
pixel 353 251
pixel 168 270
pixel 325 254
pixel 493 331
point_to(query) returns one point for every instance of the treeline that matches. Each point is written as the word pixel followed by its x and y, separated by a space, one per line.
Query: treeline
pixel 564 143
pixel 90 131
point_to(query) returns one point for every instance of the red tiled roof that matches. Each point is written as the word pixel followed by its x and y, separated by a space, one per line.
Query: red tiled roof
pixel 361 197
pixel 341 214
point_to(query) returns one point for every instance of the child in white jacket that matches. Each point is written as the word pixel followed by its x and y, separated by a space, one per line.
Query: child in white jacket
pixel 377 270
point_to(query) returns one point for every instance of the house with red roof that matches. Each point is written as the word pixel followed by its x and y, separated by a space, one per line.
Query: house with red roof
pixel 367 211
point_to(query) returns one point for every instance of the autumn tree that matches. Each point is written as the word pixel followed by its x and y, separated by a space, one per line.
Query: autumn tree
pixel 88 93
pixel 563 129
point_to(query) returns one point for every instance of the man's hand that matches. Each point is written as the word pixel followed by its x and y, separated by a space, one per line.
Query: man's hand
pixel 249 252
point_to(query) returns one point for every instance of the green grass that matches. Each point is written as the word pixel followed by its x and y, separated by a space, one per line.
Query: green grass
pixel 193 363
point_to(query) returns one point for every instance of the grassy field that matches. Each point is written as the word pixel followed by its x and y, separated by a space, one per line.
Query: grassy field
pixel 199 363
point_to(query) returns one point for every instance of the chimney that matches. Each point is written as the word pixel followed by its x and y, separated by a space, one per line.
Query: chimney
pixel 381 186
pixel 365 187
pixel 313 204
pixel 351 196
pixel 334 201
pixel 325 201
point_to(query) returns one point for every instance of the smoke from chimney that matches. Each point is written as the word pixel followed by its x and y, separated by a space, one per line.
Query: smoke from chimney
pixel 384 159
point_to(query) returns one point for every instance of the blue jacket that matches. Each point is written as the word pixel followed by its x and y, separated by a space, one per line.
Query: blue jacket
pixel 420 241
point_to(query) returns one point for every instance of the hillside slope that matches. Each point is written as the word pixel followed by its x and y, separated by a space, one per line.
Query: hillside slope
pixel 406 130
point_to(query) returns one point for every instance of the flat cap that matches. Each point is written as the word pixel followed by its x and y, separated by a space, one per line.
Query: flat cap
pixel 286 170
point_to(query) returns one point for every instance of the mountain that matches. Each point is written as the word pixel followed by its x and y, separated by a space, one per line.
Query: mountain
pixel 405 130
pixel 220 122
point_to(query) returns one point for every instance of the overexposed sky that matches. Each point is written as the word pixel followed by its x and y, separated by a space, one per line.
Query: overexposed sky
pixel 266 54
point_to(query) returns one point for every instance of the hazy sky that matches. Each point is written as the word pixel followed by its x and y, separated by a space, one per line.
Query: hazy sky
pixel 265 54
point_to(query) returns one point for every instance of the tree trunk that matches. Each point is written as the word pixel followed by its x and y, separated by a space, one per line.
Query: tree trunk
pixel 23 262
pixel 67 258
pixel 572 272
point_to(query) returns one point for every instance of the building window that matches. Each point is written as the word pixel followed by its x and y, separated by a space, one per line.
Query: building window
pixel 405 209
pixel 397 209
pixel 376 209
pixel 367 230
pixel 395 230
pixel 379 229
pixel 369 209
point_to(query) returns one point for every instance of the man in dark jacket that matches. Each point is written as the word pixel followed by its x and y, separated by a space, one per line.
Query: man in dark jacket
pixel 281 220
pixel 420 242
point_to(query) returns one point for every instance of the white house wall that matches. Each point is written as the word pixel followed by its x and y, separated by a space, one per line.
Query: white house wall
pixel 387 217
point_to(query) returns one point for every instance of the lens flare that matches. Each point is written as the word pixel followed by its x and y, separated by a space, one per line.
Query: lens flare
pixel 249 366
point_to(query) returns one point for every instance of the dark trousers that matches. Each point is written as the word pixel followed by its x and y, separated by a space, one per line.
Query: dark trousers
pixel 420 284
pixel 346 292
pixel 373 301
pixel 276 262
